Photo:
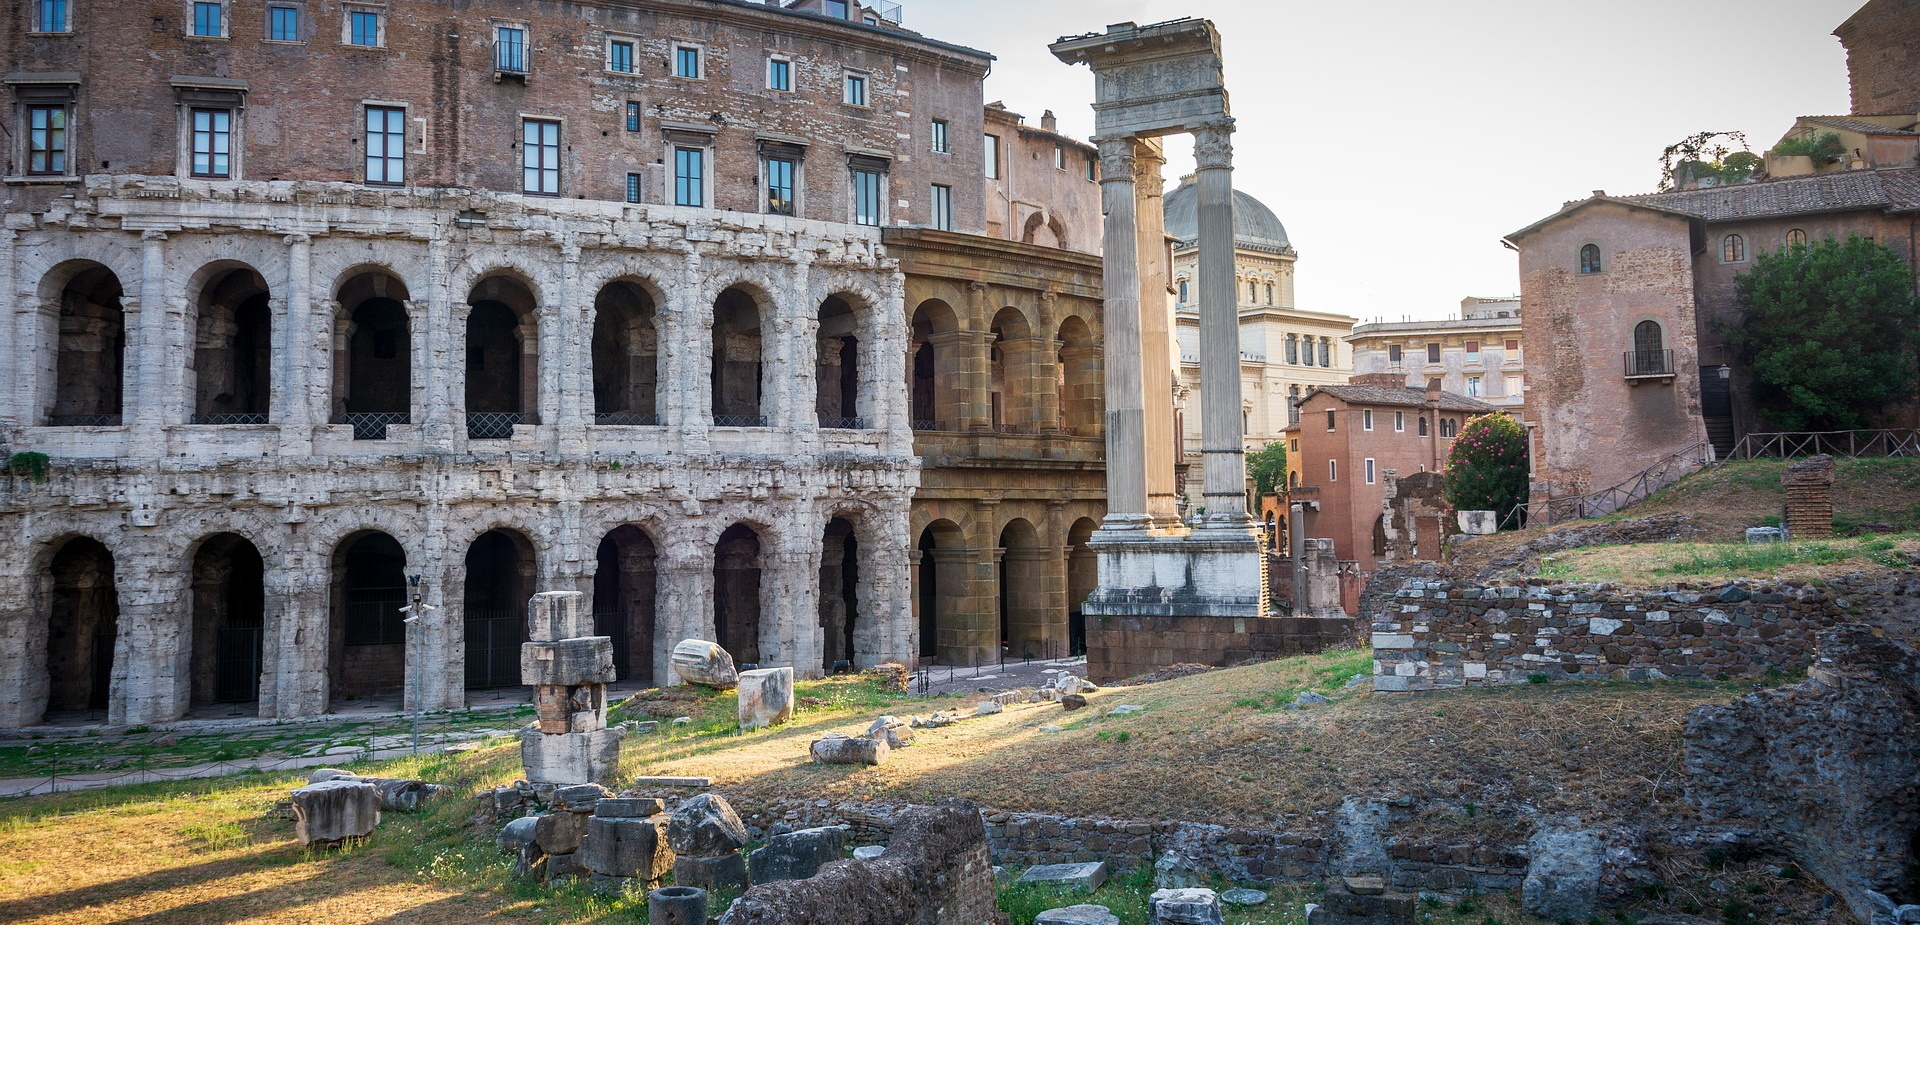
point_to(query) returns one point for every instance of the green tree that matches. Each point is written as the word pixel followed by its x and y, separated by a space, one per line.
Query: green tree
pixel 1267 467
pixel 1830 331
pixel 1487 467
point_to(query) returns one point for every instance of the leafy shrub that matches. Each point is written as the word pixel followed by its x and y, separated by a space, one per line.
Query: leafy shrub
pixel 1487 467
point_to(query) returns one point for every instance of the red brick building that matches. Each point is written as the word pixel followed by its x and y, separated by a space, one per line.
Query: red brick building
pixel 1349 437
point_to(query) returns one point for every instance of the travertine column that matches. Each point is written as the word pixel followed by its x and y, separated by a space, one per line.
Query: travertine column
pixel 156 373
pixel 294 370
pixel 1156 330
pixel 1221 441
pixel 1126 415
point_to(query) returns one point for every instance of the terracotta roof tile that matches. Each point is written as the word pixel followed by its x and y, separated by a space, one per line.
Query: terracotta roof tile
pixel 1401 396
pixel 1859 190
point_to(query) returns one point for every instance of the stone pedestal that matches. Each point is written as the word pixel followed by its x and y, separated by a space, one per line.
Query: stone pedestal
pixel 568 669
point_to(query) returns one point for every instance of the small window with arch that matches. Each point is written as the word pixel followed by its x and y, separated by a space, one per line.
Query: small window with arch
pixel 1590 259
pixel 1733 249
pixel 1796 239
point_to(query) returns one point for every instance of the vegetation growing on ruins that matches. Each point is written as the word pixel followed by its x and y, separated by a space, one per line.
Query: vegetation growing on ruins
pixel 1830 330
pixel 1709 153
pixel 1487 467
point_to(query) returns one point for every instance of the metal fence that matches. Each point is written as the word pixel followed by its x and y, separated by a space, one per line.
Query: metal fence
pixel 88 420
pixel 855 423
pixel 1861 443
pixel 236 663
pixel 1617 497
pixel 493 648
pixel 493 425
pixel 228 418
pixel 374 617
pixel 729 420
pixel 627 419
pixel 371 425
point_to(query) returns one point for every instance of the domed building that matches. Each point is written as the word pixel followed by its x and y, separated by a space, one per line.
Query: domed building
pixel 1285 353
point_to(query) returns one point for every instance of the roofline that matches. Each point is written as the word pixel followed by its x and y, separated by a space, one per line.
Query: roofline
pixel 903 36
pixel 1613 200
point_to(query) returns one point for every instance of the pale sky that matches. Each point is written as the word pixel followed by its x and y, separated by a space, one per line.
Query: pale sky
pixel 1399 140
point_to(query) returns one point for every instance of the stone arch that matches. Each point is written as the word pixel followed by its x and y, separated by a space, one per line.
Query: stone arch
pixel 845 327
pixel 1082 380
pixel 372 352
pixel 366 639
pixel 501 575
pixel 85 306
pixel 227 621
pixel 82 626
pixel 942 600
pixel 935 366
pixel 626 353
pixel 502 355
pixel 626 599
pixel 1083 577
pixel 232 374
pixel 737 569
pixel 840 608
pixel 1024 592
pixel 1010 381
pixel 742 319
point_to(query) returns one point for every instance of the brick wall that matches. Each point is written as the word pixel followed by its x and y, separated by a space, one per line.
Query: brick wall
pixel 1121 646
pixel 1438 635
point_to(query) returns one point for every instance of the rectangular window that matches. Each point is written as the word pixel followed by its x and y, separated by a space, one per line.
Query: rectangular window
pixel 856 89
pixel 1433 353
pixel 1333 471
pixel 540 157
pixel 1513 345
pixel 779 74
pixel 47 140
pixel 1059 157
pixel 1473 386
pixel 1326 352
pixel 1399 421
pixel 866 197
pixel 993 157
pixel 363 28
pixel 835 8
pixel 1370 477
pixel 52 17
pixel 943 207
pixel 386 145
pixel 510 49
pixel 283 24
pixel 633 116
pixel 213 143
pixel 1293 446
pixel 689 176
pixel 1293 349
pixel 633 187
pixel 686 61
pixel 1473 347
pixel 208 19
pixel 1093 168
pixel 1329 419
pixel 780 186
pixel 620 57
pixel 940 145
pixel 1366 419
pixel 1393 356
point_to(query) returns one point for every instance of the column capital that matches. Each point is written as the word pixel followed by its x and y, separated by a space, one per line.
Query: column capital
pixel 154 235
pixel 1213 146
pixel 1116 159
pixel 294 239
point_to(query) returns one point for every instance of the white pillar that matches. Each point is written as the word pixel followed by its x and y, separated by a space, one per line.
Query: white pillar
pixel 1126 412
pixel 1221 444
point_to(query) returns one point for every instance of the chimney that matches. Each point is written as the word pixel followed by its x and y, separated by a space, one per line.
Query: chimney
pixel 1048 122
pixel 1433 392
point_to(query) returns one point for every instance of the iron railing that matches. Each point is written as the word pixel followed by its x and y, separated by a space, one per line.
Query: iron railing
pixel 627 418
pixel 371 425
pixel 1648 363
pixel 1634 488
pixel 236 669
pixel 510 55
pixel 91 420
pixel 493 648
pixel 375 617
pixel 228 418
pixel 613 624
pixel 493 425
pixel 854 423
pixel 1865 442
pixel 739 421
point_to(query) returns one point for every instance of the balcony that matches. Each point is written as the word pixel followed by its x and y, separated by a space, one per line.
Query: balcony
pixel 510 58
pixel 1648 363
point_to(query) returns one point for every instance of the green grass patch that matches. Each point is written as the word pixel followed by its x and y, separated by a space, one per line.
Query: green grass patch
pixel 1762 559
pixel 1326 673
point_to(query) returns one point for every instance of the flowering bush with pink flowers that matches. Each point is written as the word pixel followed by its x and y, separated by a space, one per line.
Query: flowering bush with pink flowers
pixel 1487 467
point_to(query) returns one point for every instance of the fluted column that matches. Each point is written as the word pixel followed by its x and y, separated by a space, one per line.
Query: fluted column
pixel 1222 446
pixel 1156 330
pixel 1126 418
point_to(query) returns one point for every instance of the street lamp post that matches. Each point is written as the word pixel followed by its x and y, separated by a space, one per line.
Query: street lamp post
pixel 415 609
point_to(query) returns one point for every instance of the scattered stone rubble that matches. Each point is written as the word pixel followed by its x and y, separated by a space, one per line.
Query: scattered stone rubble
pixel 766 697
pixel 1077 915
pixel 704 663
pixel 337 806
pixel 797 855
pixel 1184 907
pixel 835 748
pixel 569 741
pixel 706 837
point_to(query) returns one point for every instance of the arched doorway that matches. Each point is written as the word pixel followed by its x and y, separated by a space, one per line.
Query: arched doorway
pixel 368 640
pixel 90 350
pixel 502 358
pixel 933 410
pixel 373 355
pixel 1083 577
pixel 839 595
pixel 499 582
pixel 1023 591
pixel 229 619
pixel 941 595
pixel 736 594
pixel 233 350
pixel 82 627
pixel 1010 372
pixel 737 360
pixel 626 356
pixel 625 585
pixel 1082 380
pixel 837 370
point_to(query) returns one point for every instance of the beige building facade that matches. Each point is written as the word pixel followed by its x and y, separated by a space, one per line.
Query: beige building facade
pixel 1480 355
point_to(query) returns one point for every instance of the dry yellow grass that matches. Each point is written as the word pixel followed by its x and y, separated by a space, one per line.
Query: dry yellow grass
pixel 1653 564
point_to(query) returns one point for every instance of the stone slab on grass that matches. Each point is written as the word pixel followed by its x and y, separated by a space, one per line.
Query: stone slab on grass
pixel 1087 876
pixel 1185 907
pixel 1077 915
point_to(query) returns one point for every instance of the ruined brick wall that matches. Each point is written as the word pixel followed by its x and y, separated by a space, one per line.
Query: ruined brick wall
pixel 1033 200
pixel 936 870
pixel 303 111
pixel 1829 769
pixel 1441 634
pixel 1882 41
pixel 1121 646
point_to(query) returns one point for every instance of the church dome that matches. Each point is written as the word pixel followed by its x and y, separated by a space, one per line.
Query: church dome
pixel 1253 224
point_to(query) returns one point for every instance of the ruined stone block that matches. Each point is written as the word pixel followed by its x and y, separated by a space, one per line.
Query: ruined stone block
pixel 766 697
pixel 335 810
pixel 704 663
pixel 937 870
pixel 711 871
pixel 706 825
pixel 571 662
pixel 574 758
pixel 1087 876
pixel 554 616
pixel 1077 915
pixel 559 833
pixel 799 854
pixel 1185 907
pixel 627 848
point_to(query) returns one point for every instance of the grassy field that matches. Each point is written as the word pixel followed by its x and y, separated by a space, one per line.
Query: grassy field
pixel 1811 560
